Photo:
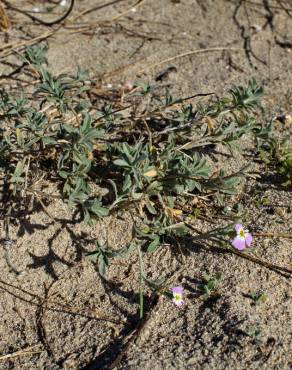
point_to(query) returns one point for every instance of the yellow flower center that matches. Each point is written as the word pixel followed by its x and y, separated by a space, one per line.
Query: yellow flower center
pixel 241 233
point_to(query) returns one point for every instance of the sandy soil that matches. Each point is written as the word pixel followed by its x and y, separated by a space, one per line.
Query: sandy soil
pixel 59 313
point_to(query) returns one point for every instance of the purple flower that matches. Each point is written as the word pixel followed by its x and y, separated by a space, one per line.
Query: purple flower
pixel 177 293
pixel 243 238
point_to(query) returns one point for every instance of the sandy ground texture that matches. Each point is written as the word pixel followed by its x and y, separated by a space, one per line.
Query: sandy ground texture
pixel 59 313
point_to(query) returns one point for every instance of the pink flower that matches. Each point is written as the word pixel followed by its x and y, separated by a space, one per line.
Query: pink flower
pixel 243 238
pixel 178 292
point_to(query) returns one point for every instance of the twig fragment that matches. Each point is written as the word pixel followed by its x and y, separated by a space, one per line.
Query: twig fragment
pixel 186 54
pixel 23 352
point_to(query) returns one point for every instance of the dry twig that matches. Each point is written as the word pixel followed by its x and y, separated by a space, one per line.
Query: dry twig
pixel 188 53
pixel 23 352
pixel 4 20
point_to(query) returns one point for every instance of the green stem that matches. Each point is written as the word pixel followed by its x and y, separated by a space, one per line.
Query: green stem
pixel 141 296
pixel 141 302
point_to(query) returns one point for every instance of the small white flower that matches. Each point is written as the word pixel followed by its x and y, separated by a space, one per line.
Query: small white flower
pixel 63 2
pixel 36 10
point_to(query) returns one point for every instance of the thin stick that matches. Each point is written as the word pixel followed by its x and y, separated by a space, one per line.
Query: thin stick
pixel 61 308
pixel 46 210
pixel 105 21
pixel 188 53
pixel 138 4
pixel 4 20
pixel 22 352
pixel 13 45
pixel 274 235
pixel 261 262
pixel 98 7
pixel 122 68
